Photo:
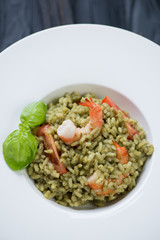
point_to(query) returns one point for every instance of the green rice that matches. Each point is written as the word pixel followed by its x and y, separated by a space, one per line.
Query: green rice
pixel 92 152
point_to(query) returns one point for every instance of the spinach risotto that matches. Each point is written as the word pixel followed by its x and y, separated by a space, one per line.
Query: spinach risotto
pixel 89 151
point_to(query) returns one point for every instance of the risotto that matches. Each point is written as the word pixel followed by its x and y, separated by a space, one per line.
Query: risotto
pixel 89 151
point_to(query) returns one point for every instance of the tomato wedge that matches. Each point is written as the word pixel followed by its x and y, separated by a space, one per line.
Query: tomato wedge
pixel 131 130
pixel 49 143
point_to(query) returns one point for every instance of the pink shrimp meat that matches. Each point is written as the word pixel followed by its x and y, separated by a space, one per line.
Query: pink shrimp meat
pixel 68 132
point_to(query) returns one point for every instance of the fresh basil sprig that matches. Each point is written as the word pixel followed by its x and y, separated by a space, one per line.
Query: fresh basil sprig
pixel 20 147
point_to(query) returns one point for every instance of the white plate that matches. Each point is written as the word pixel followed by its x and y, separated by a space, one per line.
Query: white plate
pixel 76 54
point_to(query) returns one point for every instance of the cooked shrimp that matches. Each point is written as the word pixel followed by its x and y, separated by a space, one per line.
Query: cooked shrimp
pixel 95 114
pixel 92 181
pixel 98 187
pixel 131 130
pixel 122 153
pixel 123 156
pixel 68 131
pixel 44 131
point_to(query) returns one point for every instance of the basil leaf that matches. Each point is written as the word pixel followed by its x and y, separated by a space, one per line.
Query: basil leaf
pixel 19 149
pixel 34 114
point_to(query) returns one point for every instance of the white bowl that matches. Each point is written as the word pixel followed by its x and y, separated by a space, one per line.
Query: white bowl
pixel 93 58
pixel 122 101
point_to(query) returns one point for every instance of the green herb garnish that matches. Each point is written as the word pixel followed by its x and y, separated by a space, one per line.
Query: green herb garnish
pixel 20 147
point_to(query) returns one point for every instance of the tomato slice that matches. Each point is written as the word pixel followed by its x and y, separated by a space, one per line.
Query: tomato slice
pixel 49 143
pixel 131 130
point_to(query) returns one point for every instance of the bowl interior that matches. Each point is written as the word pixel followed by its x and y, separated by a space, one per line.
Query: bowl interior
pixel 124 103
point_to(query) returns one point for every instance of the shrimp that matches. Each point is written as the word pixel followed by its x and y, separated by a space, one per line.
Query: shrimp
pixel 68 132
pixel 131 130
pixel 122 153
pixel 123 156
pixel 95 114
pixel 98 187
pixel 44 131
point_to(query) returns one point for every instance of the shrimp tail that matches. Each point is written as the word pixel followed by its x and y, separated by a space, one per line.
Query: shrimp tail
pixel 122 153
pixel 89 103
pixel 95 113
pixel 117 146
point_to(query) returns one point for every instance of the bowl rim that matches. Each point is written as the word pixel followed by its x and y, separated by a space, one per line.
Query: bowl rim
pixel 149 52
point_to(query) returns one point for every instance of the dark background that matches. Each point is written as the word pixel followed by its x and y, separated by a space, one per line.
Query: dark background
pixel 19 18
